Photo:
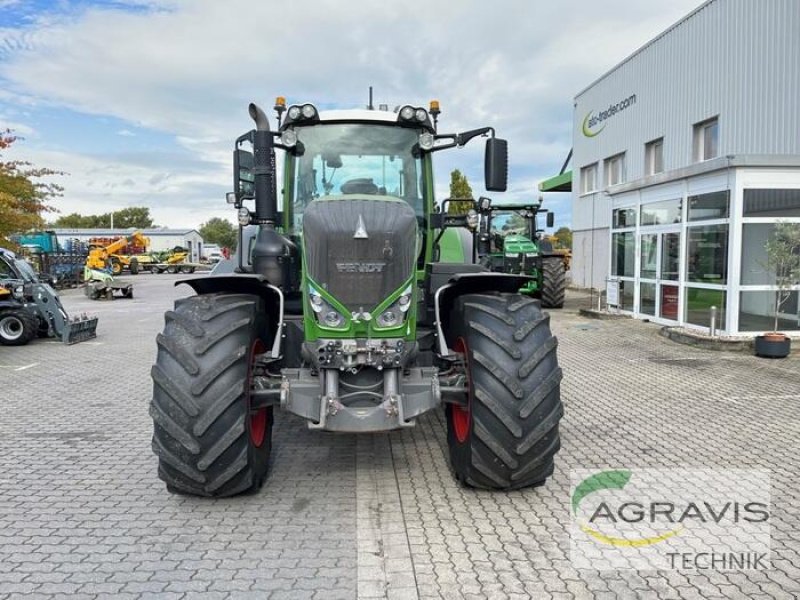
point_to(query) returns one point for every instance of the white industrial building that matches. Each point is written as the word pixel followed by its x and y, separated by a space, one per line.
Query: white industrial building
pixel 160 238
pixel 685 155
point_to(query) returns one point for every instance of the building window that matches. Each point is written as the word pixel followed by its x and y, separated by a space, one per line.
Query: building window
pixel 624 217
pixel 662 213
pixel 589 179
pixel 654 157
pixel 771 203
pixel 706 140
pixel 699 303
pixel 704 207
pixel 757 311
pixel 623 254
pixel 615 169
pixel 707 256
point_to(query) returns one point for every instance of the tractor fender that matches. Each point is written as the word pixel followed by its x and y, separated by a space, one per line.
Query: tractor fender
pixel 468 283
pixel 256 285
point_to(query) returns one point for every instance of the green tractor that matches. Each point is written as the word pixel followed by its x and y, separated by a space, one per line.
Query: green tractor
pixel 511 242
pixel 346 308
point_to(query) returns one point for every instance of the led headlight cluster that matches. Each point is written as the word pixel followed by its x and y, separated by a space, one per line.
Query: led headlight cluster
pixel 326 315
pixel 396 313
pixel 411 114
pixel 301 112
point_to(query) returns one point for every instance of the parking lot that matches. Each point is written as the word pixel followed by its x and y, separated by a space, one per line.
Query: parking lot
pixel 83 514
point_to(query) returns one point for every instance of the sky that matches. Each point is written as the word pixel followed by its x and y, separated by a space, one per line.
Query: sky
pixel 140 101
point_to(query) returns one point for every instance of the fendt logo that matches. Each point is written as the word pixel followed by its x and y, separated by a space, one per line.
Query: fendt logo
pixel 670 518
pixel 591 121
pixel 360 267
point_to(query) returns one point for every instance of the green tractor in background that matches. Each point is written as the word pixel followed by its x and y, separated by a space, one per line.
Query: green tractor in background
pixel 511 242
pixel 357 306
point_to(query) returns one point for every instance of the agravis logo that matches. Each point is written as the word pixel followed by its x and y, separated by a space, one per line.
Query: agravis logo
pixel 590 121
pixel 607 480
pixel 670 518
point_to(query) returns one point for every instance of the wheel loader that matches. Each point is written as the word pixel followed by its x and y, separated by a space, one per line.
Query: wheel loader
pixel 356 304
pixel 30 307
pixel 511 242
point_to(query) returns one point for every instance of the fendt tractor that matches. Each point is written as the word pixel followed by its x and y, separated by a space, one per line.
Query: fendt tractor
pixel 511 242
pixel 340 308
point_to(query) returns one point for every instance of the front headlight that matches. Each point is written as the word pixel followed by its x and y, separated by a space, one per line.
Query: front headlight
pixel 325 314
pixel 396 313
pixel 18 292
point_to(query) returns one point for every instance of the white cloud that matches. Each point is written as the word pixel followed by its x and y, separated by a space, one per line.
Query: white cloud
pixel 190 68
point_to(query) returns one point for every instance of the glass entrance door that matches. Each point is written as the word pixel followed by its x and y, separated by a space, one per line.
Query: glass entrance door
pixel 659 266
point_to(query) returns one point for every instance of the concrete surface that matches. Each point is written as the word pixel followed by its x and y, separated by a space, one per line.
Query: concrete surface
pixel 83 514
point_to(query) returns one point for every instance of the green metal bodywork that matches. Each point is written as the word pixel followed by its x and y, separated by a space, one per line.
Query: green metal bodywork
pixel 352 328
pixel 515 245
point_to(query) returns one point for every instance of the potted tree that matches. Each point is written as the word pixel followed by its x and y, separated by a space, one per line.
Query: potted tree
pixel 783 261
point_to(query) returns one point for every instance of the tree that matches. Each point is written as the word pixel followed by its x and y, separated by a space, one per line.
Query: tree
pixel 219 231
pixel 137 217
pixel 564 236
pixel 783 261
pixel 23 198
pixel 459 190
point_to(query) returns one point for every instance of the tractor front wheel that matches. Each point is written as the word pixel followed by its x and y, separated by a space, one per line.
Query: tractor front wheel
pixel 554 282
pixel 134 266
pixel 208 439
pixel 506 436
pixel 17 327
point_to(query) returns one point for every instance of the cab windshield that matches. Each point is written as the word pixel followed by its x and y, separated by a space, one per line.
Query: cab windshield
pixel 357 159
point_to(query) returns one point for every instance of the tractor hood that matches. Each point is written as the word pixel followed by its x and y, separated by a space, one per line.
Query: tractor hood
pixel 519 243
pixel 359 249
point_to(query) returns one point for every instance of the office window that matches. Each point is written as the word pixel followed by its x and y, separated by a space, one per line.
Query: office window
pixel 707 255
pixel 664 212
pixel 589 179
pixel 654 157
pixel 624 217
pixel 771 203
pixel 714 205
pixel 623 254
pixel 706 140
pixel 615 169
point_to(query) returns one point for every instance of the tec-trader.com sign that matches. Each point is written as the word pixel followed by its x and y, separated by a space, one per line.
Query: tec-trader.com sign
pixel 595 121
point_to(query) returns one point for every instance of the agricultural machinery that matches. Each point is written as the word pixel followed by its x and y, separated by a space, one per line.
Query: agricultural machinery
pixel 357 306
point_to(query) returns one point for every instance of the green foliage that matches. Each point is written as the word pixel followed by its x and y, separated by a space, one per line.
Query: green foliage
pixel 783 261
pixel 564 236
pixel 23 198
pixel 460 190
pixel 219 231
pixel 137 217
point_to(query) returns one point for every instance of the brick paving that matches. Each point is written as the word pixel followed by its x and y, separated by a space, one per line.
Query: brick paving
pixel 83 514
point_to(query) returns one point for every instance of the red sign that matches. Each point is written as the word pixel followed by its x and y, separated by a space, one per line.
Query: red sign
pixel 669 302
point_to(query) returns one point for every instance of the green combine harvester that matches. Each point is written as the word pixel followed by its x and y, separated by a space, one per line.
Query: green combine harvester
pixel 358 306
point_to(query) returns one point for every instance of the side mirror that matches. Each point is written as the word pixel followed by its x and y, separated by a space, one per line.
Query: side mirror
pixel 551 219
pixel 496 165
pixel 244 179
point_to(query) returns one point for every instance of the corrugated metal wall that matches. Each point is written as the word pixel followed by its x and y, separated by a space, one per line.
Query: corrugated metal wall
pixel 736 59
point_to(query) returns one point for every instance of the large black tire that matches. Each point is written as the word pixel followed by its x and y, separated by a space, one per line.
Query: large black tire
pixel 554 282
pixel 207 441
pixel 133 265
pixel 116 266
pixel 17 327
pixel 508 436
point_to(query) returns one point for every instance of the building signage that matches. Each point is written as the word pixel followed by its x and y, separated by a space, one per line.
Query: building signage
pixel 591 121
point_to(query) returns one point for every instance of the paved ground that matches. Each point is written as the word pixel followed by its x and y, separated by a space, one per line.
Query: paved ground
pixel 82 513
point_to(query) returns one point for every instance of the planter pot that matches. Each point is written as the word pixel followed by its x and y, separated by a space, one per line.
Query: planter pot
pixel 773 345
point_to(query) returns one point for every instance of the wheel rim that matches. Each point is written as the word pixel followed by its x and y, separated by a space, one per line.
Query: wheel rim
pixel 259 420
pixel 461 417
pixel 11 328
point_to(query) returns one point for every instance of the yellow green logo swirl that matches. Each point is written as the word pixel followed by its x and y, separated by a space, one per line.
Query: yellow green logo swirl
pixel 585 127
